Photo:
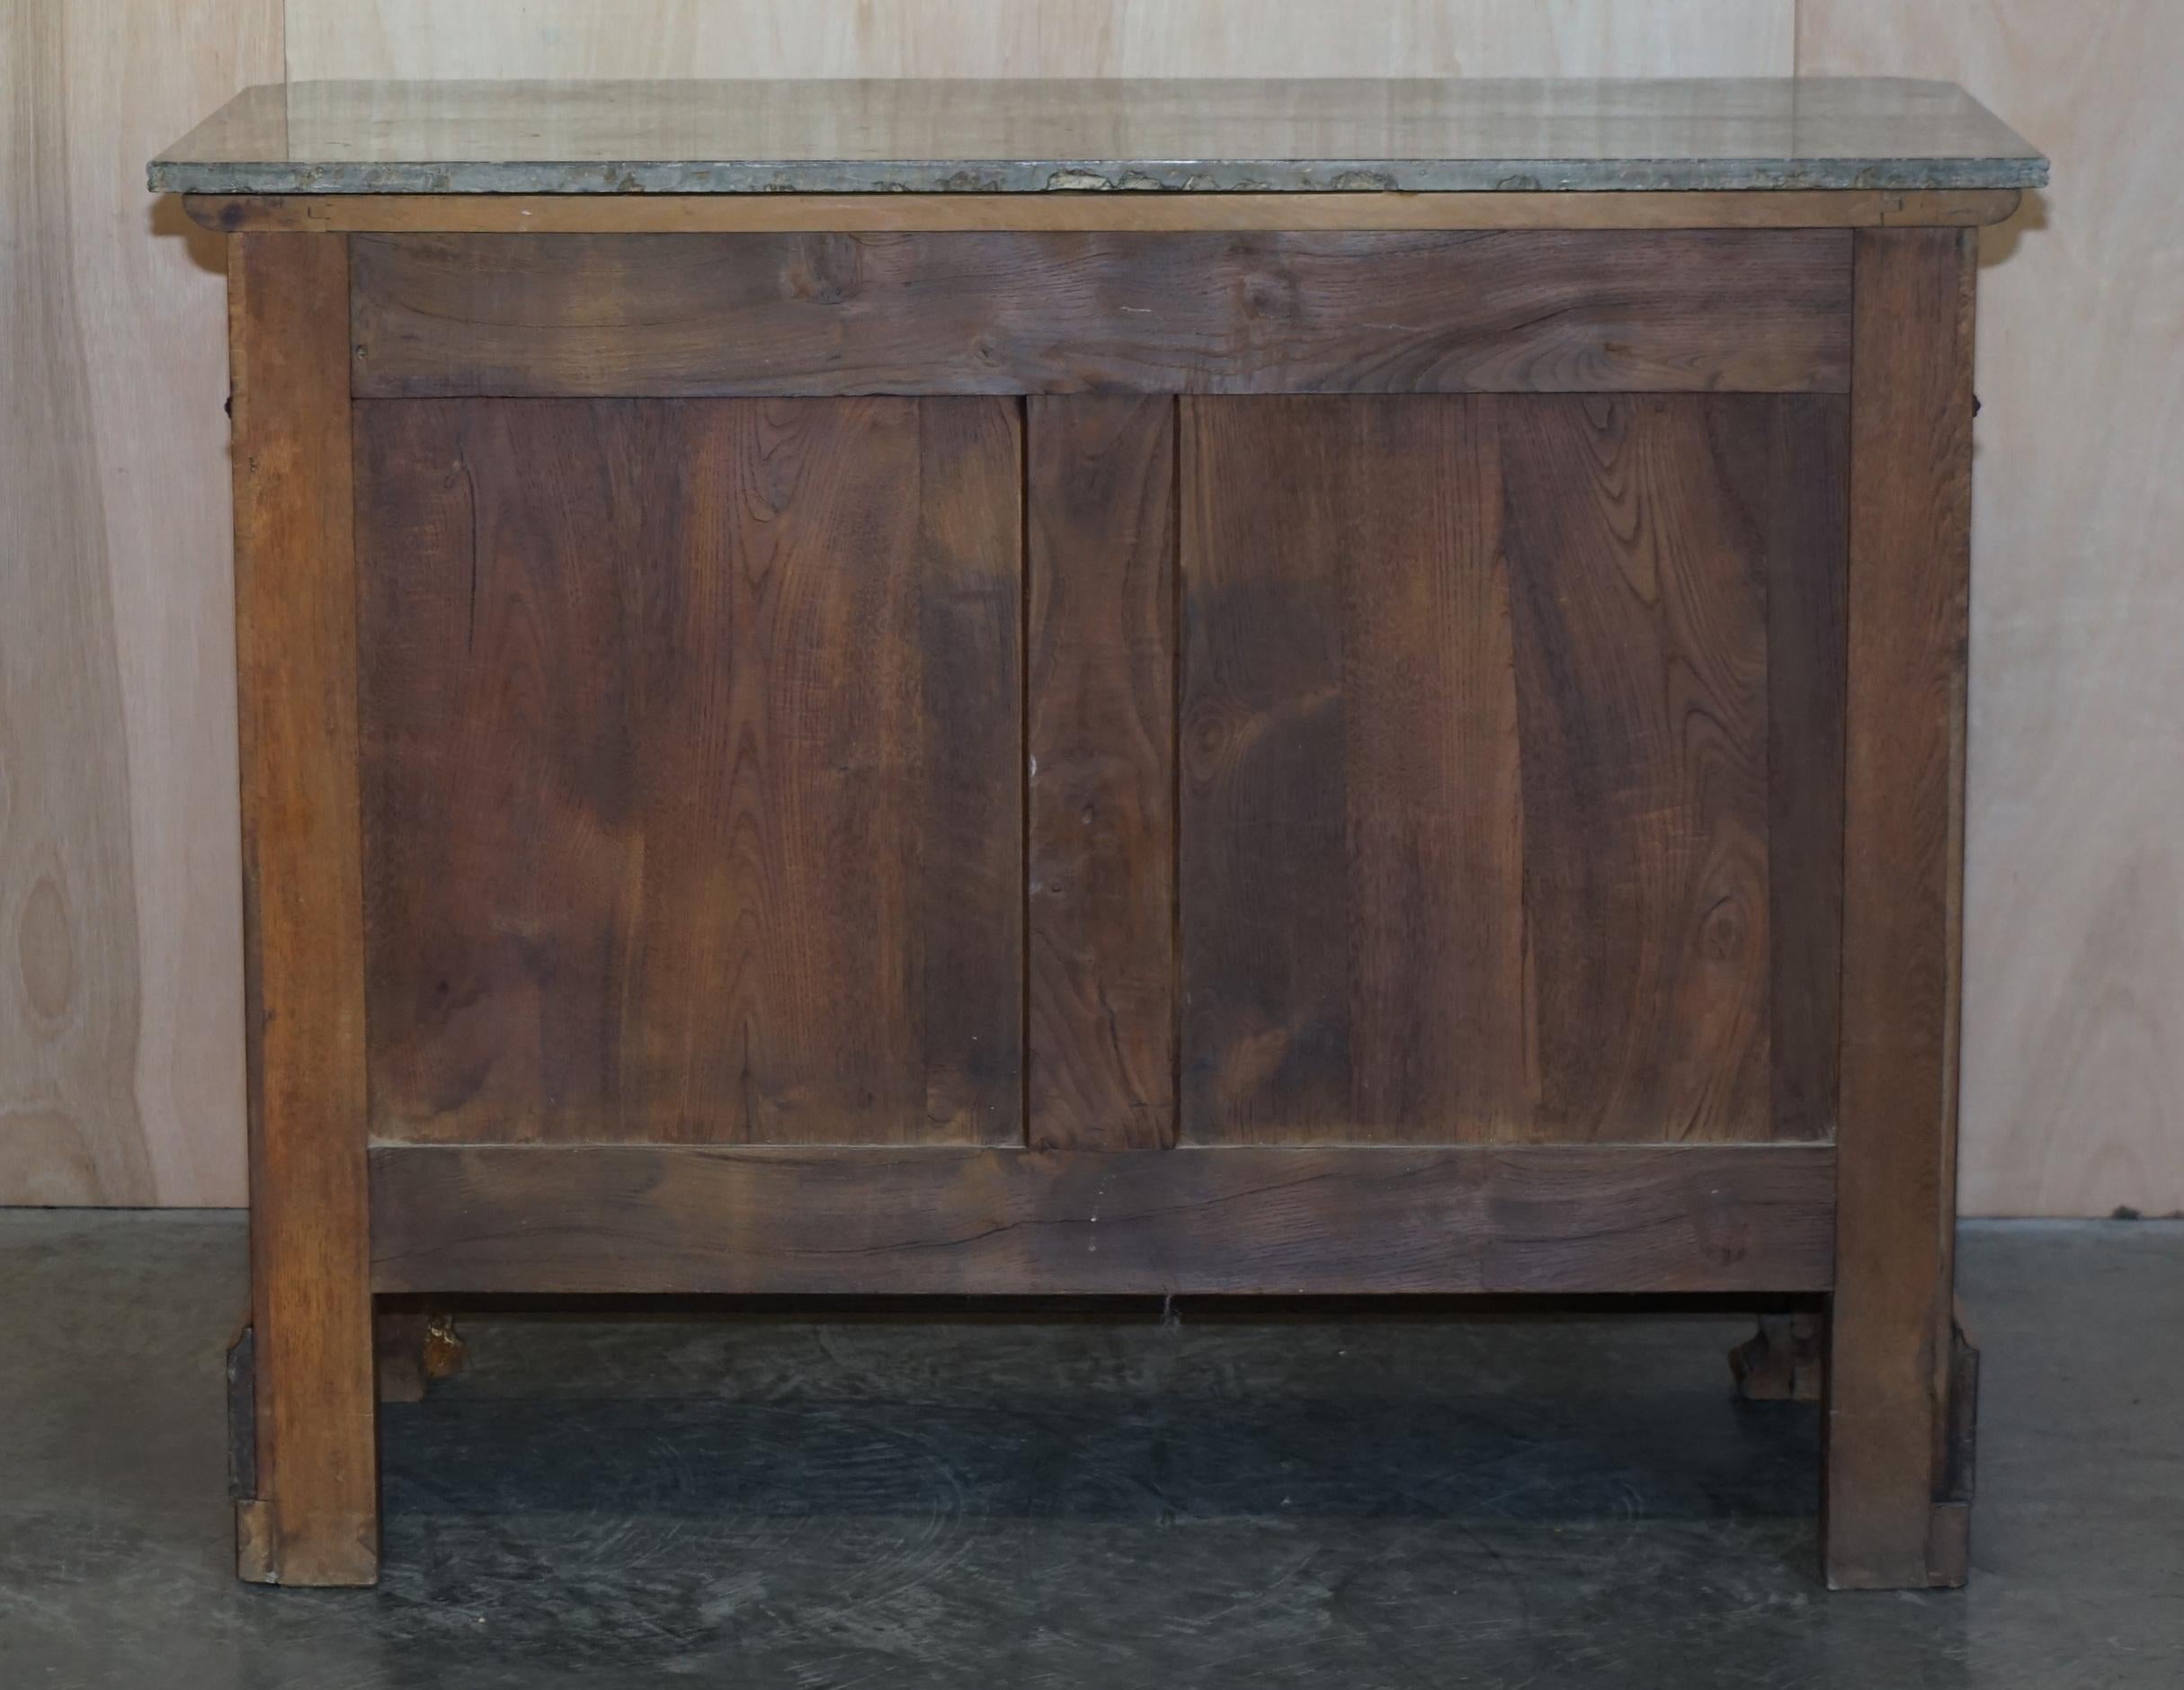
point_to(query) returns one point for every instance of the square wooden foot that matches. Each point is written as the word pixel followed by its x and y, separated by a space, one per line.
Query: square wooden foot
pixel 326 1539
pixel 1903 1524
pixel 416 1347
pixel 1785 1361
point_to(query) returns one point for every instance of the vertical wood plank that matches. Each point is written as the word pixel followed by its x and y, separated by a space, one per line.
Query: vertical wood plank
pixel 691 746
pixel 969 575
pixel 1354 954
pixel 1911 471
pixel 314 1519
pixel 1637 563
pixel 760 914
pixel 1478 693
pixel 477 533
pixel 1442 1041
pixel 1805 517
pixel 1265 1021
pixel 1101 721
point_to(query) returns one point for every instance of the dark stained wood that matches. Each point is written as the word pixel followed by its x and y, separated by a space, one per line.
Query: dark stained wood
pixel 398 1338
pixel 1432 811
pixel 1785 1361
pixel 1249 1221
pixel 414 1346
pixel 833 213
pixel 1477 791
pixel 1352 907
pixel 242 1372
pixel 1003 313
pixel 1948 1544
pixel 1100 727
pixel 1480 811
pixel 1890 1362
pixel 1805 518
pixel 969 708
pixel 313 1518
pixel 1636 547
pixel 691 761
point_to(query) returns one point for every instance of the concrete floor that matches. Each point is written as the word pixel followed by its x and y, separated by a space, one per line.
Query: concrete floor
pixel 1064 1500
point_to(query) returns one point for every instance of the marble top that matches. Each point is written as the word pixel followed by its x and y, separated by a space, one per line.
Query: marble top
pixel 935 137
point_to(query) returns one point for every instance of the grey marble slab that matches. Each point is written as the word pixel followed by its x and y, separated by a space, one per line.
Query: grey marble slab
pixel 935 137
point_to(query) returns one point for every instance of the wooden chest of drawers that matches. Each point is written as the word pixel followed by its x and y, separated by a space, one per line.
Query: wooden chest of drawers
pixel 1057 742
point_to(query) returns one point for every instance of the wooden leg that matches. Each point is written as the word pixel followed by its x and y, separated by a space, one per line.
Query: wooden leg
pixel 397 1341
pixel 1894 1514
pixel 312 1515
pixel 1783 1362
pixel 416 1345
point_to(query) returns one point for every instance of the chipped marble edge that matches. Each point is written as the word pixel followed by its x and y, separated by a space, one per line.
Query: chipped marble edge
pixel 1469 175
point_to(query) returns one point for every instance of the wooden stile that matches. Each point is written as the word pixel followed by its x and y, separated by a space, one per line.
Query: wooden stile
pixel 1891 1520
pixel 313 1518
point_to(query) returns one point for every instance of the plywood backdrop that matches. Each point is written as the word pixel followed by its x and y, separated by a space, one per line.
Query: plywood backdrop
pixel 2072 1098
pixel 121 1074
pixel 1040 38
pixel 120 1022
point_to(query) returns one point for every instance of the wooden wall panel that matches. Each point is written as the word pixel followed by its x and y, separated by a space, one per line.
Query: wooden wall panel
pixel 1100 814
pixel 691 752
pixel 1051 37
pixel 1637 558
pixel 1477 692
pixel 2074 1008
pixel 1349 751
pixel 121 950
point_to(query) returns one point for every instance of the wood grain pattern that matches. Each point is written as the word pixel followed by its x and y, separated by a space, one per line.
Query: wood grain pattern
pixel 2073 1010
pixel 876 213
pixel 2071 996
pixel 1056 37
pixel 692 741
pixel 1557 311
pixel 1910 488
pixel 1101 724
pixel 639 1218
pixel 1352 931
pixel 1805 511
pixel 1637 579
pixel 1475 695
pixel 120 948
pixel 314 1518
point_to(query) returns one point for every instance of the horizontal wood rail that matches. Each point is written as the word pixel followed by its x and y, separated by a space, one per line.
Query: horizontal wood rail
pixel 574 1219
pixel 719 213
pixel 1543 311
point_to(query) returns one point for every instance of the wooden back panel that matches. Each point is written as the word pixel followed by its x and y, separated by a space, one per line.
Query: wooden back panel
pixel 1390 768
pixel 691 752
pixel 1495 822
